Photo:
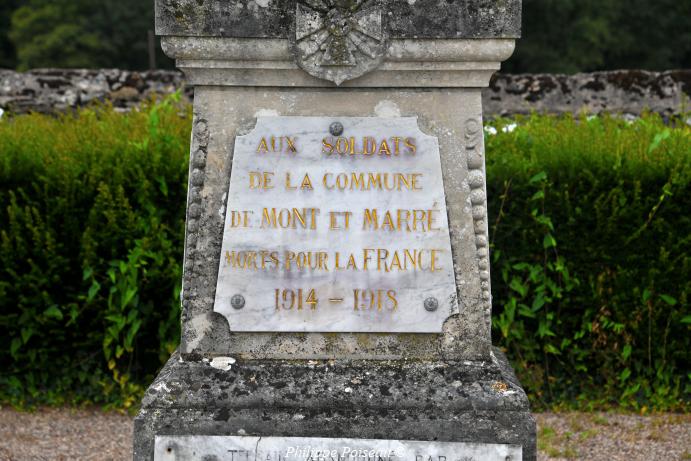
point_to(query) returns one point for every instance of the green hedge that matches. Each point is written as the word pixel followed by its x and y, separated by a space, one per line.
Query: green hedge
pixel 91 238
pixel 589 221
pixel 591 229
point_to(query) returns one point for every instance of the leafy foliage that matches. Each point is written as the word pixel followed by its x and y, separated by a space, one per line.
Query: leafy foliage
pixel 569 36
pixel 588 220
pixel 592 259
pixel 91 231
pixel 81 33
pixel 7 52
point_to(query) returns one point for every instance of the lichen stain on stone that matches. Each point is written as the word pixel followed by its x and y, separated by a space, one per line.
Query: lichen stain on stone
pixel 197 328
pixel 500 386
pixel 222 415
pixel 266 113
pixel 183 12
pixel 222 210
pixel 330 341
pixel 363 340
pixel 160 386
pixel 387 109
pixel 222 363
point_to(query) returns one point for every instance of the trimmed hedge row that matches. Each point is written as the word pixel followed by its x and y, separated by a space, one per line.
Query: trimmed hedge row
pixel 92 208
pixel 589 222
pixel 591 230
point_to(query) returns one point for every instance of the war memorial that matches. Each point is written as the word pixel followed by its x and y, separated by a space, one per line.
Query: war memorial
pixel 336 290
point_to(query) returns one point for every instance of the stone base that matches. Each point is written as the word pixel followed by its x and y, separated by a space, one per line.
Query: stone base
pixel 407 400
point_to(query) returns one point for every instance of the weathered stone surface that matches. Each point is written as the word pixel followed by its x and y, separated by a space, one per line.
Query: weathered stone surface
pixel 620 92
pixel 275 18
pixel 628 92
pixel 407 63
pixel 445 401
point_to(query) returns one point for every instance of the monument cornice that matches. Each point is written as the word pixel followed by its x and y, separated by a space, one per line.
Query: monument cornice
pixel 430 63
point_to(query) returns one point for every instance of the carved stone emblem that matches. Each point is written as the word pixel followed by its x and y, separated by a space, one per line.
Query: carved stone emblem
pixel 339 40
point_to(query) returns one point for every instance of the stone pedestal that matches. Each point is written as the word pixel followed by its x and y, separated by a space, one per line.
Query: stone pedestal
pixel 349 372
pixel 479 402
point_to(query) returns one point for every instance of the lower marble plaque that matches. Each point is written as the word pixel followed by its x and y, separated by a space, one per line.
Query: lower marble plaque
pixel 238 448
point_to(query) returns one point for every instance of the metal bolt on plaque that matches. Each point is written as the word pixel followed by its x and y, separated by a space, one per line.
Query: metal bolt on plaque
pixel 431 304
pixel 336 128
pixel 237 301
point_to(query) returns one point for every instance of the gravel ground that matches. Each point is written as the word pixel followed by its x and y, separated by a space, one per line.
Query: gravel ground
pixel 64 434
pixel 67 434
pixel 613 437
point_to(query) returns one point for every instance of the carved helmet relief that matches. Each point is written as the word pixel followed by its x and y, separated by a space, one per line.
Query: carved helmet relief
pixel 339 40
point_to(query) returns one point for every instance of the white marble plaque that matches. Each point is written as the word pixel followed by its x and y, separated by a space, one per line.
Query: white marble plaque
pixel 236 448
pixel 336 225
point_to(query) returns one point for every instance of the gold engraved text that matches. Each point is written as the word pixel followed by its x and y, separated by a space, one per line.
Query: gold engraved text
pixel 372 181
pixel 278 144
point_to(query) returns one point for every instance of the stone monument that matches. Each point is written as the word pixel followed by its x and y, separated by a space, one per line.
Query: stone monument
pixel 336 294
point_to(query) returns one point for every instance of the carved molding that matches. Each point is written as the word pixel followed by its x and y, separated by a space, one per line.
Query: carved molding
pixel 406 63
pixel 200 144
pixel 476 179
pixel 339 40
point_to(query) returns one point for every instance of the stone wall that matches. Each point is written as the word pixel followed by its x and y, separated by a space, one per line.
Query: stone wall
pixel 626 92
pixel 51 90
